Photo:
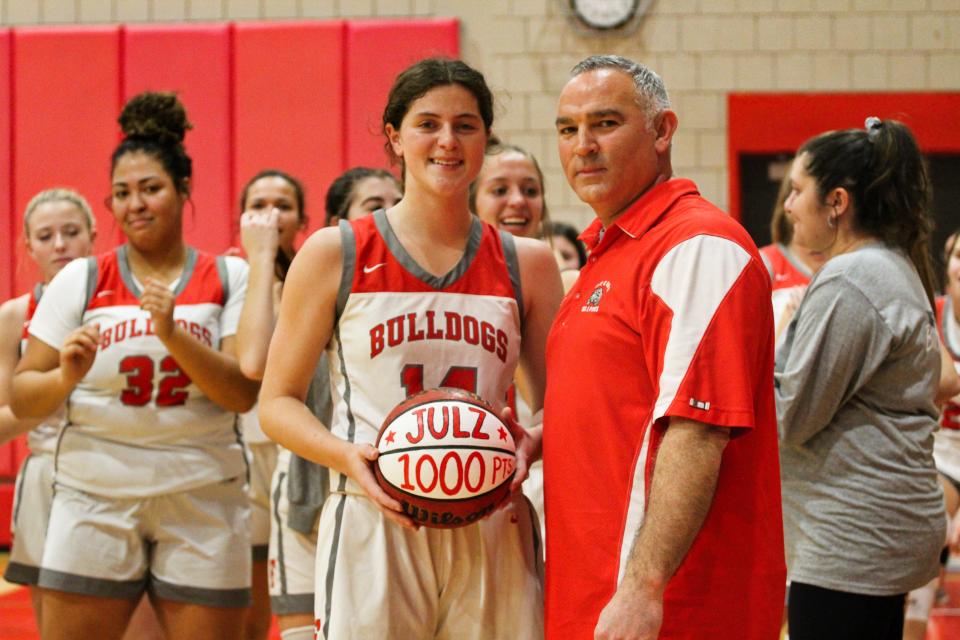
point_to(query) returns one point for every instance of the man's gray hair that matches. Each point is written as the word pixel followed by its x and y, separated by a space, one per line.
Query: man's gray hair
pixel 651 93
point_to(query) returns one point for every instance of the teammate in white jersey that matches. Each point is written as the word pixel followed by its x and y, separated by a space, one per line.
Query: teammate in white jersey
pixel 419 295
pixel 509 194
pixel 58 226
pixel 149 477
pixel 299 487
pixel 273 214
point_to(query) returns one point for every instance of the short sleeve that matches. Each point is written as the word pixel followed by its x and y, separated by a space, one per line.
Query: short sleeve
pixel 62 304
pixel 715 328
pixel 237 273
pixel 835 343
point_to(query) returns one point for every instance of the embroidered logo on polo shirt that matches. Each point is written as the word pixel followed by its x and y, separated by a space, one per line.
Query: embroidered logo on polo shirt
pixel 593 302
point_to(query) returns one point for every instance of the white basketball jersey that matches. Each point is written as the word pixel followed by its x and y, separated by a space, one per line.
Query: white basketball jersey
pixel 136 424
pixel 43 437
pixel 401 330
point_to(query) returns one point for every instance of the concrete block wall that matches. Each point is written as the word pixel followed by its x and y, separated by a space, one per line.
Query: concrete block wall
pixel 703 48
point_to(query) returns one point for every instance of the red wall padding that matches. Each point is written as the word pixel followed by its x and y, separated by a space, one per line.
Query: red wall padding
pixel 7 224
pixel 194 61
pixel 303 97
pixel 65 97
pixel 295 70
pixel 757 122
pixel 376 51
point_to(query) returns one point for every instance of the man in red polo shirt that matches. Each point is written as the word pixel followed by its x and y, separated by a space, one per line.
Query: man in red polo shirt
pixel 660 445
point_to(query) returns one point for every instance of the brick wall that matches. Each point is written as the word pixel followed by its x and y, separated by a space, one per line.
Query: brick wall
pixel 703 49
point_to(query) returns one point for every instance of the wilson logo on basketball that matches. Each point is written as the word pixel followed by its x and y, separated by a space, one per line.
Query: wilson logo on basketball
pixel 452 326
pixel 446 457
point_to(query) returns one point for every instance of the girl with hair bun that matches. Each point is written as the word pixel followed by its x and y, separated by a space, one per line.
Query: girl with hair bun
pixel 378 573
pixel 58 226
pixel 149 470
pixel 855 380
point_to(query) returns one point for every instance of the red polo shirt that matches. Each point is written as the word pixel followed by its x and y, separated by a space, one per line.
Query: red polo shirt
pixel 670 317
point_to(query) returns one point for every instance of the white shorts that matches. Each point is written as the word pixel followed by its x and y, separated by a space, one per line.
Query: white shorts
pixel 292 555
pixel 262 458
pixel 31 511
pixel 376 579
pixel 190 546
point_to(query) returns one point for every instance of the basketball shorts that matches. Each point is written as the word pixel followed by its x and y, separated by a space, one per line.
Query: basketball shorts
pixel 33 492
pixel 262 458
pixel 191 546
pixel 376 579
pixel 292 555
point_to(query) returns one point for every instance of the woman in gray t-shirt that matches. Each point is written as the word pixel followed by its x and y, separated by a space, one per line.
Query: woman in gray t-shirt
pixel 856 378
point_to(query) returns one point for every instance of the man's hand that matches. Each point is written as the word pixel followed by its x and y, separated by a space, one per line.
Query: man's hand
pixel 631 614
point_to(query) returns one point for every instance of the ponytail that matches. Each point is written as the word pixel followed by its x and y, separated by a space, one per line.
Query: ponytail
pixel 882 169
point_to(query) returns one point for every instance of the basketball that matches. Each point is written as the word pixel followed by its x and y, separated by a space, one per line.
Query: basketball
pixel 446 456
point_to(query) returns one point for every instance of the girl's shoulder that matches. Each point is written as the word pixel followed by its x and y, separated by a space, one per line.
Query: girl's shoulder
pixel 14 311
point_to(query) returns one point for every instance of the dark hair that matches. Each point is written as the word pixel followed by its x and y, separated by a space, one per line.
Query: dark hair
pixel 495 147
pixel 340 194
pixel 570 233
pixel 283 261
pixel 156 123
pixel 882 169
pixel 416 80
pixel 781 229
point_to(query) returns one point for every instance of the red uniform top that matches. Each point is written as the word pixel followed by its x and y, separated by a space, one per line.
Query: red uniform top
pixel 785 270
pixel 950 416
pixel 668 318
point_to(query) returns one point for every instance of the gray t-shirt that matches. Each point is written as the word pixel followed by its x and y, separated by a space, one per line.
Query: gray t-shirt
pixel 855 382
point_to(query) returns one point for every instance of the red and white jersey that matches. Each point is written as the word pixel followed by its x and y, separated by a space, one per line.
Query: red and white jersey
pixel 43 437
pixel 668 319
pixel 136 424
pixel 400 329
pixel 946 442
pixel 787 274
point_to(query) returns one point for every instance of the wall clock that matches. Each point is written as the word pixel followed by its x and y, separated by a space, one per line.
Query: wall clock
pixel 604 15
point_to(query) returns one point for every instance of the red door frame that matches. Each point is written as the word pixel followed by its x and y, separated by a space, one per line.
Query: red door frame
pixel 779 123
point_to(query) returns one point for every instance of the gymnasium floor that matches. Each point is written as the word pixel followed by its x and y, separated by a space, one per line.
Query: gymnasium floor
pixel 16 617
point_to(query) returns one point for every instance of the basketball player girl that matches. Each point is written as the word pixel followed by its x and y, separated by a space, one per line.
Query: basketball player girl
pixel 273 206
pixel 509 194
pixel 946 441
pixel 149 470
pixel 416 267
pixel 360 191
pixel 272 215
pixel 58 226
pixel 790 265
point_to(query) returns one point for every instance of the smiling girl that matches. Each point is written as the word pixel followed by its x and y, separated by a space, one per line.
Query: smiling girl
pixel 149 470
pixel 378 574
pixel 58 227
